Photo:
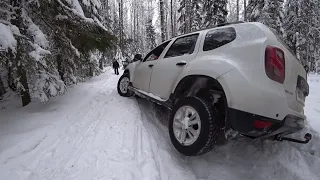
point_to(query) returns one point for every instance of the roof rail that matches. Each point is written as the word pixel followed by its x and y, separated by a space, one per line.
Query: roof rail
pixel 228 23
pixel 222 24
pixel 214 26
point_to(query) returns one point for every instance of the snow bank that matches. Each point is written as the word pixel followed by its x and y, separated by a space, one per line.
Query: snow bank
pixel 7 40
pixel 93 133
pixel 312 109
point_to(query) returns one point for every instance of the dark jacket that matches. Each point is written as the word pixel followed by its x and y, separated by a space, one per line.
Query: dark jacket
pixel 115 64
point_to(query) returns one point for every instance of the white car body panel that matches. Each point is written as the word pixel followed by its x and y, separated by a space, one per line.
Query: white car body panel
pixel 239 68
pixel 165 72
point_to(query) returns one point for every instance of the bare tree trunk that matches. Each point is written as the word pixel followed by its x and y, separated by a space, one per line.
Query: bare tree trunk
pixel 184 18
pixel 134 23
pixel 237 10
pixel 172 25
pixel 121 24
pixel 245 9
pixel 162 21
pixel 174 20
pixel 17 21
pixel 189 5
pixel 60 69
pixel 10 78
pixel 2 89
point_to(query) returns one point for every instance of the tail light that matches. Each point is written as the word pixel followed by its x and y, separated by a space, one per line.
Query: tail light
pixel 275 64
pixel 261 124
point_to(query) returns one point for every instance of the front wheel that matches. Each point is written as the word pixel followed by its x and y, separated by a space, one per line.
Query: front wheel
pixel 193 126
pixel 123 85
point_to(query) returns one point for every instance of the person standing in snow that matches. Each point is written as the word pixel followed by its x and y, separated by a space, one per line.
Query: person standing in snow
pixel 116 66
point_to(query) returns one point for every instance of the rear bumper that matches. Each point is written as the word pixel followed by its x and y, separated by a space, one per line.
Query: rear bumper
pixel 243 122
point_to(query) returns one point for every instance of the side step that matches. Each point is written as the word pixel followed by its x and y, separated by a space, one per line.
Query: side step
pixel 307 138
pixel 144 95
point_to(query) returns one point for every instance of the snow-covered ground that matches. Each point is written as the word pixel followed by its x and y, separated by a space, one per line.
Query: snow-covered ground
pixel 93 133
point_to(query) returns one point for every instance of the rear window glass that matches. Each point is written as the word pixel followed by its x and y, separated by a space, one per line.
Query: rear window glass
pixel 218 37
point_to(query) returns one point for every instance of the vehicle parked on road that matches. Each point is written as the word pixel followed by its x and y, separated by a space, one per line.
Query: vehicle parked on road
pixel 233 78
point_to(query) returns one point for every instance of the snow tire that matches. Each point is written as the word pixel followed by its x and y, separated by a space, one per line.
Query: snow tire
pixel 128 93
pixel 209 132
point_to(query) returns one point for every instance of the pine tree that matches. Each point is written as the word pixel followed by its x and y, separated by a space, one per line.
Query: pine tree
pixel 290 24
pixel 191 15
pixel 272 15
pixel 215 12
pixel 268 12
pixel 19 59
pixel 151 35
pixel 308 24
pixel 183 17
pixel 162 20
pixel 254 10
pixel 55 43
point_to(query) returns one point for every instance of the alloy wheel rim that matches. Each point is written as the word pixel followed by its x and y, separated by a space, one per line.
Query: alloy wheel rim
pixel 124 83
pixel 186 125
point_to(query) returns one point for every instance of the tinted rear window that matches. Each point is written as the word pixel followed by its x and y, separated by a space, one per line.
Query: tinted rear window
pixel 218 37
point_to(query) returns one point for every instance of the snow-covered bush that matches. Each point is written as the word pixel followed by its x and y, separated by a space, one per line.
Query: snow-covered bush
pixel 46 45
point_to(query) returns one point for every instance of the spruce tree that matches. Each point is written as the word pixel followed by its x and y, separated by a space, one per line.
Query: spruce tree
pixel 268 12
pixel 151 35
pixel 215 12
pixel 290 24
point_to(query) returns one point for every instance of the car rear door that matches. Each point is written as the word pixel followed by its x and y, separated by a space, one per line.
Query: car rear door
pixel 183 50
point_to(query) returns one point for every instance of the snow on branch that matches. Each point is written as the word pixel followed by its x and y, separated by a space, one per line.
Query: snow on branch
pixel 37 35
pixel 40 42
pixel 7 40
pixel 75 12
pixel 39 53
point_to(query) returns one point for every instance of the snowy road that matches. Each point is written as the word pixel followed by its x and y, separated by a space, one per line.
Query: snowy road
pixel 93 133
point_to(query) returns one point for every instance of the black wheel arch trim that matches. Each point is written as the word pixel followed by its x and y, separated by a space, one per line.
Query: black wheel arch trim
pixel 173 95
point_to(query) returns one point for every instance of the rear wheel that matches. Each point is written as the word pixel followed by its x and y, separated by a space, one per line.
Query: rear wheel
pixel 123 85
pixel 193 126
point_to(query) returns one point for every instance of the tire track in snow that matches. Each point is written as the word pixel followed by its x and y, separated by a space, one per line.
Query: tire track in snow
pixel 239 159
pixel 169 162
pixel 77 155
pixel 74 138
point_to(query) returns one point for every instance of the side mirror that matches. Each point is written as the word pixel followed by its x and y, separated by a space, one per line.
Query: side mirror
pixel 137 57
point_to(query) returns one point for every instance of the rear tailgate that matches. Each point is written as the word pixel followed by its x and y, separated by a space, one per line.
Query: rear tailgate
pixel 295 84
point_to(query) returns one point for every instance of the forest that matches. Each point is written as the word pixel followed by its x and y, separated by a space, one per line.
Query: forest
pixel 48 45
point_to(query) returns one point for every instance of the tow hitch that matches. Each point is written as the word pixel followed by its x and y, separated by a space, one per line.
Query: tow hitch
pixel 307 138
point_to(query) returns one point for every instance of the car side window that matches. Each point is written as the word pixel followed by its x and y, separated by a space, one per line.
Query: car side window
pixel 218 37
pixel 182 46
pixel 156 52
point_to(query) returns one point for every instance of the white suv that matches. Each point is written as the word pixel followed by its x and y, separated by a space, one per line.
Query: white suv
pixel 236 77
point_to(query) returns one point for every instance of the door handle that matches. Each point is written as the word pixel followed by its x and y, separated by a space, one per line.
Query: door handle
pixel 150 65
pixel 182 63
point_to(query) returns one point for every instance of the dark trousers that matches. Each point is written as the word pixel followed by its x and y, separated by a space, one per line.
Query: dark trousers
pixel 116 71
